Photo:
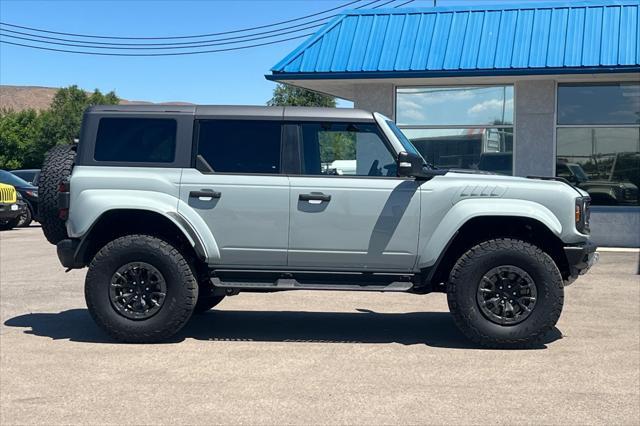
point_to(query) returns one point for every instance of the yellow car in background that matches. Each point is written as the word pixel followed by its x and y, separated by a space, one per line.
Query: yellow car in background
pixel 11 207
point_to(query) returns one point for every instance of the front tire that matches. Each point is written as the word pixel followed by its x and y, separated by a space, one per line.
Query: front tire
pixel 6 225
pixel 25 218
pixel 140 289
pixel 505 293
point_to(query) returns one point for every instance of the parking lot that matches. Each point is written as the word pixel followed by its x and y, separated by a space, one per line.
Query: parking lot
pixel 311 357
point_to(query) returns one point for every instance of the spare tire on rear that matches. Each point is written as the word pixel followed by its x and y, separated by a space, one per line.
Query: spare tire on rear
pixel 58 163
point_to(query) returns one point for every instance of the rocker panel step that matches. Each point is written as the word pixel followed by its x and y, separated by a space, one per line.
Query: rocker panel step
pixel 293 284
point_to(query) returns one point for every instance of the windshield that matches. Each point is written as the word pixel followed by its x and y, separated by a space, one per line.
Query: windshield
pixel 406 143
pixel 11 179
pixel 578 172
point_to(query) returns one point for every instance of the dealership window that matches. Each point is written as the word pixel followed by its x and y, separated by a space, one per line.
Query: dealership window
pixel 467 127
pixel 598 140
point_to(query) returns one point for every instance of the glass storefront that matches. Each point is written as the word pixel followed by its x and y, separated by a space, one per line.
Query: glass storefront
pixel 464 127
pixel 598 140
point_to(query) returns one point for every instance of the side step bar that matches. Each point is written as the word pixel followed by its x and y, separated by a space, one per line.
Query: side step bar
pixel 293 284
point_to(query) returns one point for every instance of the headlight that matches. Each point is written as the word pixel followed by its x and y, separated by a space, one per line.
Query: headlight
pixel 582 214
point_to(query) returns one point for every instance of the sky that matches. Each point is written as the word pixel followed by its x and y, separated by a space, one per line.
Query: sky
pixel 235 77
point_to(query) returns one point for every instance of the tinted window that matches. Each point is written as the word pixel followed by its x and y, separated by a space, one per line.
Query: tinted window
pixel 138 140
pixel 345 149
pixel 605 162
pixel 611 103
pixel 240 146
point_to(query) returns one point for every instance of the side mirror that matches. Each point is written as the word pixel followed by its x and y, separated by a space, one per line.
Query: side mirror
pixel 409 165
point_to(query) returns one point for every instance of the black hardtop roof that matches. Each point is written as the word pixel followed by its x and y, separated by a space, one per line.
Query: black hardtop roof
pixel 239 111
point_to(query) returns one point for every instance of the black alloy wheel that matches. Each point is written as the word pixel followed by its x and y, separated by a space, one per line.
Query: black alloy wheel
pixel 506 295
pixel 137 290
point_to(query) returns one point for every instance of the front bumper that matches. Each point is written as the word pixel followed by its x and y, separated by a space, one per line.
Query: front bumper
pixel 580 259
pixel 11 211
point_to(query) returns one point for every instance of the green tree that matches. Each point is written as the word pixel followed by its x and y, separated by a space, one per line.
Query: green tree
pixel 18 133
pixel 285 95
pixel 25 136
pixel 62 125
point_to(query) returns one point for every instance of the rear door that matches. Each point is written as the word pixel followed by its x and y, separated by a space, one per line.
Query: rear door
pixel 349 210
pixel 237 187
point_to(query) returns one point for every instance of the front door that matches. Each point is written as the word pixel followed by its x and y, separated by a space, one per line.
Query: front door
pixel 348 209
pixel 239 192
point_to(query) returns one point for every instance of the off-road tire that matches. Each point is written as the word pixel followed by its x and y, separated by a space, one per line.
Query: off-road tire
pixel 57 166
pixel 463 286
pixel 25 219
pixel 181 293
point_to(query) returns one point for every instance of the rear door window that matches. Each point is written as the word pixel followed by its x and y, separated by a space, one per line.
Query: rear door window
pixel 240 146
pixel 136 140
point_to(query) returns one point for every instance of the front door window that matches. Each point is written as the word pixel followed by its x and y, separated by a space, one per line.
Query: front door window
pixel 345 149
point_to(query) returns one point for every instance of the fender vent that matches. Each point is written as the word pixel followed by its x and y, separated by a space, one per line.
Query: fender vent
pixel 482 191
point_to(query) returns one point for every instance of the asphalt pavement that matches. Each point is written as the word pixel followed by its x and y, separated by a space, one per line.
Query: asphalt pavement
pixel 311 357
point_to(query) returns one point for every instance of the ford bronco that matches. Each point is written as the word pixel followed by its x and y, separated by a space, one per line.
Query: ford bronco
pixel 174 208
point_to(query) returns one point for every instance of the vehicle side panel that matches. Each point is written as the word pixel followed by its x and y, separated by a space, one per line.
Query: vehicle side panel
pixel 369 223
pixel 96 190
pixel 250 220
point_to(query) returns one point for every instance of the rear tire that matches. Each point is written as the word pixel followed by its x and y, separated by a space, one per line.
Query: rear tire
pixel 205 304
pixel 57 167
pixel 207 299
pixel 115 289
pixel 505 293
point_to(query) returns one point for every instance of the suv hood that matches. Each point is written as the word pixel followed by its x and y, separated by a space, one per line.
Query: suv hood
pixel 482 176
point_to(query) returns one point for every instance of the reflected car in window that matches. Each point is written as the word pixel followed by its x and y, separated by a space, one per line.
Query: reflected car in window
pixel 602 192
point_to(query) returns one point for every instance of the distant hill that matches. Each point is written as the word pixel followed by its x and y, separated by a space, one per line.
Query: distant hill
pixel 19 98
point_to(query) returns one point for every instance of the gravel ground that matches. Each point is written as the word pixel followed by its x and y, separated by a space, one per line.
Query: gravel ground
pixel 311 357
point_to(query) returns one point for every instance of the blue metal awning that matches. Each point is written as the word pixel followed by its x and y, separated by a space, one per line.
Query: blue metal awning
pixel 527 38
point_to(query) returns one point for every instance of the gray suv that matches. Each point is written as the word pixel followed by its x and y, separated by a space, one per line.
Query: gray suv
pixel 174 208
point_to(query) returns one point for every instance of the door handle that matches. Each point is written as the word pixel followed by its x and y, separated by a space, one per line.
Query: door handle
pixel 205 193
pixel 314 196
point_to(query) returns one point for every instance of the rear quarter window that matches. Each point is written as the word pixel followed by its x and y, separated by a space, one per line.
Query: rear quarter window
pixel 136 140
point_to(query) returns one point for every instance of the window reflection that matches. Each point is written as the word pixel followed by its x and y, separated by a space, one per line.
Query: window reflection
pixel 605 162
pixel 488 149
pixel 456 106
pixel 607 103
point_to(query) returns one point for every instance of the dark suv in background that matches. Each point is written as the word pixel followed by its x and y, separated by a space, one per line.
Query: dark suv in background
pixel 30 175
